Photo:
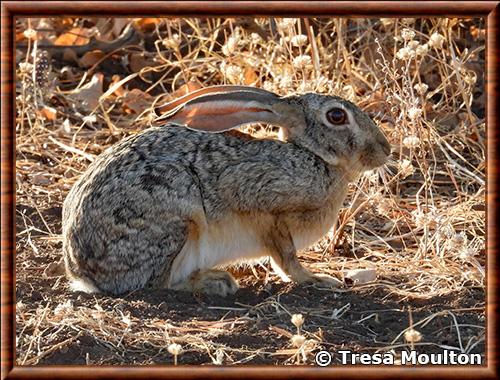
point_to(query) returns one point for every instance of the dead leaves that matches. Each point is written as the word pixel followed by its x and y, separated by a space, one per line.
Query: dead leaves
pixel 76 36
pixel 90 93
pixel 138 61
pixel 48 113
pixel 54 269
pixel 77 46
pixel 133 101
pixel 147 24
pixel 136 101
pixel 477 33
pixel 91 58
pixel 250 77
pixel 41 179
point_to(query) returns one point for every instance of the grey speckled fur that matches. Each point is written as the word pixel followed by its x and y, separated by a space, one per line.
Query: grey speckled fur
pixel 131 213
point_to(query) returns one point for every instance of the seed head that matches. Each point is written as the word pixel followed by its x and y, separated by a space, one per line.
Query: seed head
pixel 230 46
pixel 412 336
pixel 421 88
pixel 413 44
pixel 286 23
pixel 172 43
pixel 232 72
pixel 298 340
pixel 30 34
pixel 470 78
pixel 436 40
pixel 298 320
pixel 414 113
pixel 422 50
pixel 301 61
pixel 175 349
pixel 299 40
pixel 406 168
pixel 407 34
pixel 405 53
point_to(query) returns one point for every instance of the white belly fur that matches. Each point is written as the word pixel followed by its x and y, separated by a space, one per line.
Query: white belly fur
pixel 237 239
pixel 233 240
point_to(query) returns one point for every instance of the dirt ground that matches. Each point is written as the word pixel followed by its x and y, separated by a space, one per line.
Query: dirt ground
pixel 419 223
pixel 252 326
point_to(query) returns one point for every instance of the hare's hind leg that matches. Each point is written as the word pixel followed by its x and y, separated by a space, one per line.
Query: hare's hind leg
pixel 134 258
pixel 211 282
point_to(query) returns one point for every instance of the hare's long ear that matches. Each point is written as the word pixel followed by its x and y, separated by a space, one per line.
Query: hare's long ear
pixel 221 108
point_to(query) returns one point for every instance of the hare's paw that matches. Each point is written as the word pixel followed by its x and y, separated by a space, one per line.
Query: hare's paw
pixel 324 281
pixel 215 282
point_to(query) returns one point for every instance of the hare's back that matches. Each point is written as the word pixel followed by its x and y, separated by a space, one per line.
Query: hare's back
pixel 158 170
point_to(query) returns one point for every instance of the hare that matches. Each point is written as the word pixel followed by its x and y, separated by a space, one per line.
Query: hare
pixel 171 206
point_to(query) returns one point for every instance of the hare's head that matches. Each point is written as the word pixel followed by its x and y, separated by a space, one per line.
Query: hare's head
pixel 338 131
pixel 329 126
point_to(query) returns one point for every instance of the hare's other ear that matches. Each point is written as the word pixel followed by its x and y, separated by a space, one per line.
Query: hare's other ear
pixel 221 108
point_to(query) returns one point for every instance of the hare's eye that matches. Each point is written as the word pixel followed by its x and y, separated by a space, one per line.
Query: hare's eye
pixel 336 116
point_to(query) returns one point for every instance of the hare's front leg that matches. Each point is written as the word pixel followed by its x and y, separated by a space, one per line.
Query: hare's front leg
pixel 284 254
pixel 211 282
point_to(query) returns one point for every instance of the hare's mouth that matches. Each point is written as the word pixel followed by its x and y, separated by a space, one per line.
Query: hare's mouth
pixel 376 154
pixel 372 160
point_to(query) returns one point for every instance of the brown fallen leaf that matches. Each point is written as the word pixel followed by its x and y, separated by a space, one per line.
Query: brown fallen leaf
pixel 138 61
pixel 20 36
pixel 117 90
pixel 48 113
pixel 90 93
pixel 54 269
pixel 133 101
pixel 477 32
pixel 76 36
pixel 147 24
pixel 136 101
pixel 250 77
pixel 70 55
pixel 41 179
pixel 90 58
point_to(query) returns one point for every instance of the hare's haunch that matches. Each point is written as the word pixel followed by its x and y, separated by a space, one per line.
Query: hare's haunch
pixel 167 206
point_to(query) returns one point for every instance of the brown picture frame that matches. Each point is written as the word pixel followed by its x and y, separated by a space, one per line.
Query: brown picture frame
pixel 12 9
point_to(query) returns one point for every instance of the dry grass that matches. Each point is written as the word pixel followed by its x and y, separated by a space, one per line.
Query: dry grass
pixel 419 222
